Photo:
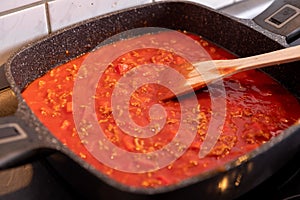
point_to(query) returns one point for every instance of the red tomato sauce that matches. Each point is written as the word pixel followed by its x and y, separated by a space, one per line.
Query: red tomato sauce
pixel 258 109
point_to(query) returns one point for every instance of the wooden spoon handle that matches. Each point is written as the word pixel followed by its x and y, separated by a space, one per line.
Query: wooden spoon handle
pixel 209 71
pixel 263 60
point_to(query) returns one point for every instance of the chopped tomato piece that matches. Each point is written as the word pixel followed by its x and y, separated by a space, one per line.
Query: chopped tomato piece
pixel 121 68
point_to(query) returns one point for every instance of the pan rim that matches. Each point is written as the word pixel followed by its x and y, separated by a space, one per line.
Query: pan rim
pixel 106 179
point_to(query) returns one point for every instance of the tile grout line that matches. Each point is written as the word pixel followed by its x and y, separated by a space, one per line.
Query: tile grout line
pixel 17 9
pixel 47 16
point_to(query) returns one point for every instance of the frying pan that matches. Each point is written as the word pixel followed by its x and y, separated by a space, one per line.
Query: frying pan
pixel 23 137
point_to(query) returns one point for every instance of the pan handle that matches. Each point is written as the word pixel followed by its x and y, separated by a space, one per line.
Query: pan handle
pixel 19 143
pixel 282 17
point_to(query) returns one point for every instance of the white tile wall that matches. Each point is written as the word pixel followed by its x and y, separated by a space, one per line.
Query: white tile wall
pixel 66 12
pixel 11 4
pixel 18 28
pixel 22 21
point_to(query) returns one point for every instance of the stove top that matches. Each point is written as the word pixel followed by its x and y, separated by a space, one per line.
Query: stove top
pixel 247 9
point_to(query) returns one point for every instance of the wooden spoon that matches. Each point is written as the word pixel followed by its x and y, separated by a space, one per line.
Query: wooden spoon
pixel 207 72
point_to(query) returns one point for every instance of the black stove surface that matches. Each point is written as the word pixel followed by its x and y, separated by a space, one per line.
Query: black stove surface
pixel 37 181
